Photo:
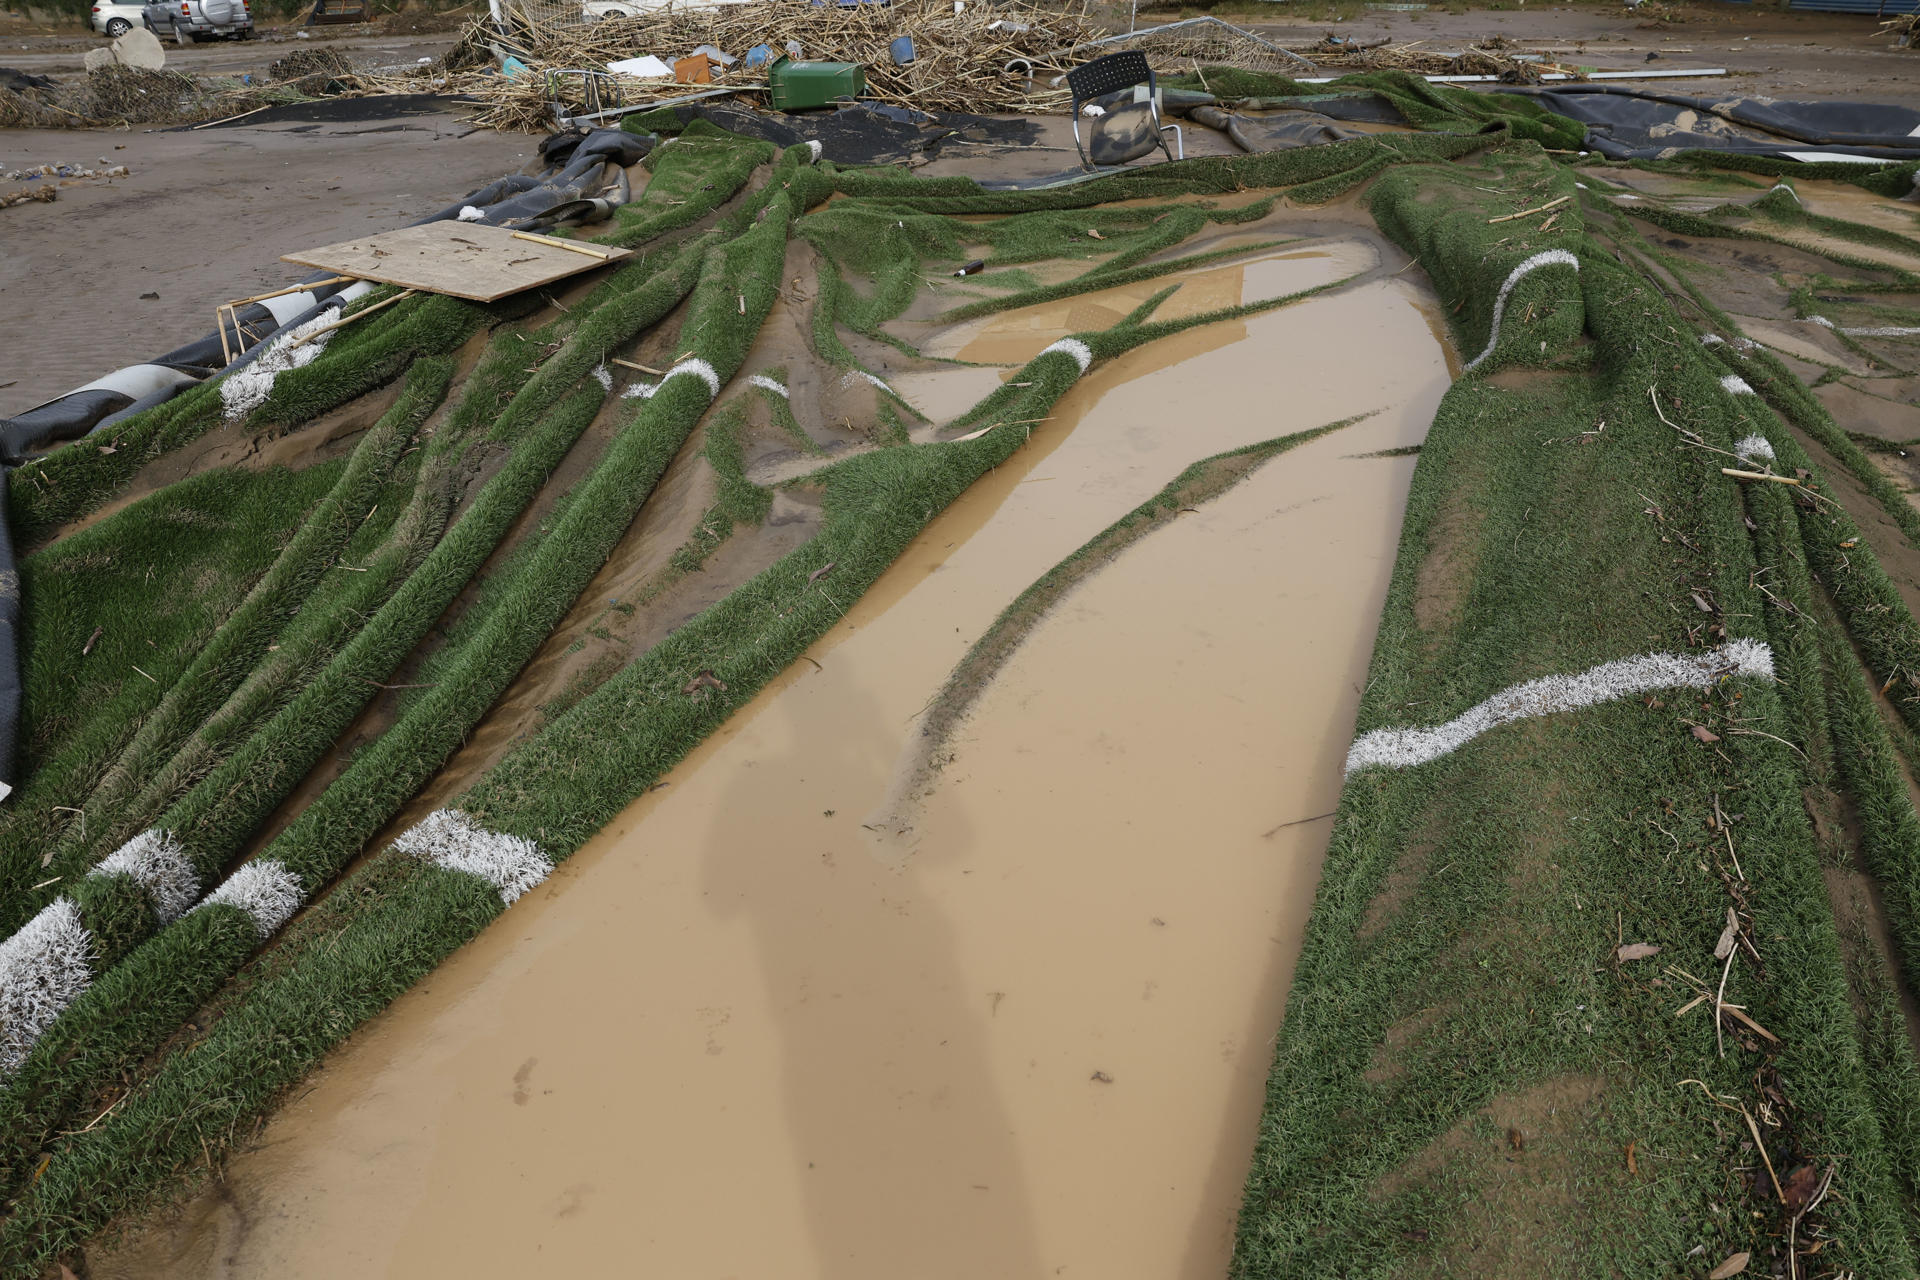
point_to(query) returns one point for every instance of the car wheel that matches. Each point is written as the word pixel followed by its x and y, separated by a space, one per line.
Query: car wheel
pixel 119 27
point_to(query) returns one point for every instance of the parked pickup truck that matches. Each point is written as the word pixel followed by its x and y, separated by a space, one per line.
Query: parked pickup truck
pixel 199 19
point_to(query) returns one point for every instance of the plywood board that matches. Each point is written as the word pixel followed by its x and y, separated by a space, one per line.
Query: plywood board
pixel 462 259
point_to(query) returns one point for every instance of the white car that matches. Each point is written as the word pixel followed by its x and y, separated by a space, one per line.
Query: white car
pixel 116 17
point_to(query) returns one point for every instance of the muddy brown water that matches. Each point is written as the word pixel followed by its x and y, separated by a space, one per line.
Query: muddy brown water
pixel 740 1035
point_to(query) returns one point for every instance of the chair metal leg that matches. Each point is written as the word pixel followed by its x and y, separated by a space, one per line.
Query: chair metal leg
pixel 1079 145
pixel 1178 140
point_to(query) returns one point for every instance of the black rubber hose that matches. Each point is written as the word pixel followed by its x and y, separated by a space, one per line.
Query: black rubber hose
pixel 9 650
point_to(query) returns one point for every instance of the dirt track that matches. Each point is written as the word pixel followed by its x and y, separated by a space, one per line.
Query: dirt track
pixel 203 218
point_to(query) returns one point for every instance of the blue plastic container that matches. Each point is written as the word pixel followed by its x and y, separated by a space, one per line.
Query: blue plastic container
pixel 759 56
pixel 902 49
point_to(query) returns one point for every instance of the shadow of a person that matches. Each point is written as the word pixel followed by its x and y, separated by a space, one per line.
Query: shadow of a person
pixel 909 1166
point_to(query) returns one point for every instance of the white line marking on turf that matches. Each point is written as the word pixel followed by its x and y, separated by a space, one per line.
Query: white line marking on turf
pixel 1754 446
pixel 1735 385
pixel 765 383
pixel 447 838
pixel 1082 354
pixel 1622 678
pixel 155 861
pixel 43 969
pixel 265 890
pixel 1544 259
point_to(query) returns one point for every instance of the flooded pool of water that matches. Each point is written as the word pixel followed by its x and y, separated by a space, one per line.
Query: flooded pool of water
pixel 742 1034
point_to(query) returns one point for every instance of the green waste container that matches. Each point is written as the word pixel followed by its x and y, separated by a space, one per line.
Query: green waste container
pixel 800 85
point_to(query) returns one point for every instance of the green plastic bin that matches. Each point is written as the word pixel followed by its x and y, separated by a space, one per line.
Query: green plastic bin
pixel 796 86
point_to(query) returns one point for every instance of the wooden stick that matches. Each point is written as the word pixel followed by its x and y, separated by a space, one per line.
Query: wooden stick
pixel 364 311
pixel 589 250
pixel 628 364
pixel 242 116
pixel 220 323
pixel 1528 213
pixel 1758 475
pixel 292 288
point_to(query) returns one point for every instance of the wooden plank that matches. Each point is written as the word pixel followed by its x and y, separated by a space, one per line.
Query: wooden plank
pixel 461 259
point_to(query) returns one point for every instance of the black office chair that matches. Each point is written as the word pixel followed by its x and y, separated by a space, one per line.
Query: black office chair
pixel 1113 74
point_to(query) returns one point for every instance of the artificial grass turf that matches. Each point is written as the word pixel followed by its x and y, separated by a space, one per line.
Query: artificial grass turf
pixel 233 651
pixel 156 580
pixel 1457 981
pixel 548 788
pixel 117 1020
pixel 1583 542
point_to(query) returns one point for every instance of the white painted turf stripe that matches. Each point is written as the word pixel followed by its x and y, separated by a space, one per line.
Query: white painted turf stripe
pixel 43 969
pixel 765 383
pixel 265 890
pixel 447 838
pixel 1752 447
pixel 1622 678
pixel 861 375
pixel 1872 331
pixel 698 368
pixel 1735 385
pixel 155 861
pixel 1544 259
pixel 1082 354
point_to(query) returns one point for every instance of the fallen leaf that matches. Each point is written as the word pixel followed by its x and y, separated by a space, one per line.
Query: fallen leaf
pixel 1632 1167
pixel 1419 1235
pixel 1733 1266
pixel 705 680
pixel 1095 234
pixel 92 640
pixel 1799 1188
pixel 1700 603
pixel 822 571
pixel 1517 1140
pixel 1705 734
pixel 1102 1077
pixel 1638 950
pixel 1724 948
pixel 107 448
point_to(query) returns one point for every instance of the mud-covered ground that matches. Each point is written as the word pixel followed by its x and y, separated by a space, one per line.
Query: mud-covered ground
pixel 120 270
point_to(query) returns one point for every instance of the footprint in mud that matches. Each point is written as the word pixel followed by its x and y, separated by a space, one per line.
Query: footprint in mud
pixel 521 1093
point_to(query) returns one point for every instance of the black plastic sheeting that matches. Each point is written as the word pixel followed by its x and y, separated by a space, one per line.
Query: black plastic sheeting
pixel 1637 123
pixel 865 133
pixel 379 106
pixel 585 177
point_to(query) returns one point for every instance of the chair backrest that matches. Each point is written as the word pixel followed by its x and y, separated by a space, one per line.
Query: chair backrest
pixel 1110 74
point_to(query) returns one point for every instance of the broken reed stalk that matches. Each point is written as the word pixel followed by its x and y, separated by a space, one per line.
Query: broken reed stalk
pixel 1737 474
pixel 1761 1147
pixel 292 288
pixel 1528 213
pixel 590 251
pixel 304 339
